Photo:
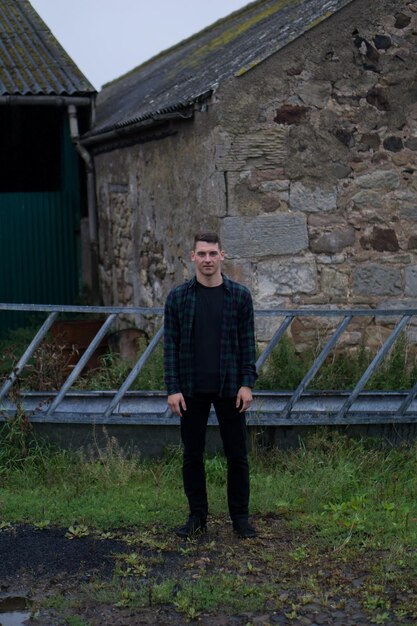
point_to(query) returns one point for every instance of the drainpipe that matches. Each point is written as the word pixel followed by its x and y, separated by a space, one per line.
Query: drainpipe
pixel 91 200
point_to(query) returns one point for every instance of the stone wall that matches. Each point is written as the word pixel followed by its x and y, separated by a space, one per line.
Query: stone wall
pixel 154 194
pixel 321 168
pixel 306 164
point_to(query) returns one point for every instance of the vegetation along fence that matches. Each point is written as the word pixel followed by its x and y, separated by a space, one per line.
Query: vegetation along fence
pixel 306 340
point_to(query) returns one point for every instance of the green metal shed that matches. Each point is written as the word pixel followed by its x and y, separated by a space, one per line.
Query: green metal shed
pixel 45 103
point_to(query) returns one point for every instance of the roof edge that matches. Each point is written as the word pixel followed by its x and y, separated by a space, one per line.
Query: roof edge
pixel 33 100
pixel 244 70
pixel 176 110
pixel 122 129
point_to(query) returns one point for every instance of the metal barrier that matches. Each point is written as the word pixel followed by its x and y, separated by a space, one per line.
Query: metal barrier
pixel 298 407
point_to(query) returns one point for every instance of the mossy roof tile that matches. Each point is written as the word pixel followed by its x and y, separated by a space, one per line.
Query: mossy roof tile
pixel 232 46
pixel 32 61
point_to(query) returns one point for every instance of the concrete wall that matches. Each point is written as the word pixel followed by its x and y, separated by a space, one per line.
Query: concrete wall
pixel 153 441
pixel 306 164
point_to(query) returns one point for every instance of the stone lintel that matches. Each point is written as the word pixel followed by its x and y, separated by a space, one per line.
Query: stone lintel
pixel 264 235
pixel 375 279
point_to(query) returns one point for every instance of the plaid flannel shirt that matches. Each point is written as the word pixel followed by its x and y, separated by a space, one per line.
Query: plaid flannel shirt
pixel 237 350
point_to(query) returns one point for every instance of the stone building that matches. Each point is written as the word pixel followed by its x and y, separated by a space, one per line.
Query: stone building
pixel 290 127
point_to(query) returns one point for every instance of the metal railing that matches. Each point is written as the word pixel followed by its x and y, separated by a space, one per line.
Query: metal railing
pixel 301 406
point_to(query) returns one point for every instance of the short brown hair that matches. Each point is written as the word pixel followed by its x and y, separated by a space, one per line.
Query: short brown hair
pixel 208 236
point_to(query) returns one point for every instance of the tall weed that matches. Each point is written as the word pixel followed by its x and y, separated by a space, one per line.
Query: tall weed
pixel 19 446
pixel 286 368
pixel 283 370
pixel 113 371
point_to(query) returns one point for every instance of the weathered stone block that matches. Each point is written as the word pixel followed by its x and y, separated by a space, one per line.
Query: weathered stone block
pixel 382 240
pixel 399 304
pixel 243 195
pixel 393 144
pixel 367 199
pixel 264 235
pixel 333 242
pixel 265 327
pixel 240 270
pixel 274 202
pixel 275 186
pixel 405 158
pixel 283 277
pixel 264 147
pixel 382 42
pixel 334 284
pixel 331 259
pixel 312 199
pixel 411 143
pixel 411 281
pixel 340 170
pixel 350 339
pixel 402 20
pixel 405 195
pixel 314 93
pixel 376 280
pixel 355 86
pixel 382 179
pixel 370 141
pixel 321 220
pixel 378 97
pixel 395 303
pixel 412 243
pixel 345 136
pixel 312 332
pixel 410 213
pixel 289 114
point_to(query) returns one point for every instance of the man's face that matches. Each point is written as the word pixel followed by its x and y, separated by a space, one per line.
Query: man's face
pixel 207 258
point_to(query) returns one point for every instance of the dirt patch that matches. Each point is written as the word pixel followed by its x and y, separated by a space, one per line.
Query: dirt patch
pixel 148 576
pixel 29 551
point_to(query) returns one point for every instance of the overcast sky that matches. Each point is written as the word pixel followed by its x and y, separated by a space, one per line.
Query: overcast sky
pixel 107 38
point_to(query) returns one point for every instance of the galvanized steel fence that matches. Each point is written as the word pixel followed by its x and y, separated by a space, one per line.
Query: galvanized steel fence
pixel 280 407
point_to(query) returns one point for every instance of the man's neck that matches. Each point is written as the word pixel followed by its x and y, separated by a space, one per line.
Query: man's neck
pixel 210 281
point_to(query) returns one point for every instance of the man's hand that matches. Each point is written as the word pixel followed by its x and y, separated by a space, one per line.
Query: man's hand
pixel 243 399
pixel 176 402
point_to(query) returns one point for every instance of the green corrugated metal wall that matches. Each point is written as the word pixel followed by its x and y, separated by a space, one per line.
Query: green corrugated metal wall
pixel 38 243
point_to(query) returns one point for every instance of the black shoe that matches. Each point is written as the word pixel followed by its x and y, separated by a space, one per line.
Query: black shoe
pixel 244 529
pixel 194 526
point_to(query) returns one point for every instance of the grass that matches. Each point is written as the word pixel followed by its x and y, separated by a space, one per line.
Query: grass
pixel 337 487
pixel 104 489
pixel 330 504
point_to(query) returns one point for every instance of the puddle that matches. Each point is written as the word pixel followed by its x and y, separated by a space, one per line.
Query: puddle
pixel 14 611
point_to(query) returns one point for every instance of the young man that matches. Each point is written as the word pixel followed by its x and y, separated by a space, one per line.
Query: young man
pixel 210 359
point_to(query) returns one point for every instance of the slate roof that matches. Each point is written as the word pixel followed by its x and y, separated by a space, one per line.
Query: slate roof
pixel 233 45
pixel 32 62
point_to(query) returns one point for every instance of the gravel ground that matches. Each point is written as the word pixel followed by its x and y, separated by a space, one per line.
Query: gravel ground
pixel 342 587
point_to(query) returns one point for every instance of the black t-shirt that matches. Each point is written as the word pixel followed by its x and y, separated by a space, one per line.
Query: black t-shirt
pixel 207 337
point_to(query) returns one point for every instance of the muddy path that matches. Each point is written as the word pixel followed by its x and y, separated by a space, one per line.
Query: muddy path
pixel 148 576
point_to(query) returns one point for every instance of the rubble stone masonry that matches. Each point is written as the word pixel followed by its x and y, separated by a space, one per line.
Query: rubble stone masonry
pixel 306 164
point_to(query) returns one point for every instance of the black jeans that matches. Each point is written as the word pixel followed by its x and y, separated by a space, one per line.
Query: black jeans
pixel 232 426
